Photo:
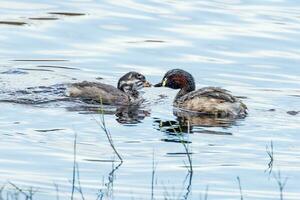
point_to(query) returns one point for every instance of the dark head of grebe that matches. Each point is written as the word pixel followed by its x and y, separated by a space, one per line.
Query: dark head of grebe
pixel 178 79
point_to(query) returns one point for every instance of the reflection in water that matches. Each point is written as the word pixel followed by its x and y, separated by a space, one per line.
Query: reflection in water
pixel 196 119
pixel 131 114
pixel 188 179
pixel 124 114
pixel 270 153
pixel 187 122
pixel 171 127
pixel 183 193
pixel 108 191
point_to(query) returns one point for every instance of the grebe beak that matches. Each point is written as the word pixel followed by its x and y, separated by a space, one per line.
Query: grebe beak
pixel 147 84
pixel 162 84
pixel 158 85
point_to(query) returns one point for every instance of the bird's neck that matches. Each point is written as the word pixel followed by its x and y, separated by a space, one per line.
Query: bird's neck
pixel 135 98
pixel 184 90
pixel 133 95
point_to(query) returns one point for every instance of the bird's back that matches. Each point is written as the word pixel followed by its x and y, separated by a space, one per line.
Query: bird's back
pixel 212 101
pixel 93 92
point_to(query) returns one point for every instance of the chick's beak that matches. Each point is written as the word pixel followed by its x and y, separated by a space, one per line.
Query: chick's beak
pixel 147 84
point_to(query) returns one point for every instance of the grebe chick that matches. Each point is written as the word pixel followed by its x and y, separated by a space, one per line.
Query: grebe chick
pixel 126 92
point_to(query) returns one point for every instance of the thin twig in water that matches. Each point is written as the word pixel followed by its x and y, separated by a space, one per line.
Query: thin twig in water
pixel 189 158
pixel 270 152
pixel 79 184
pixel 240 187
pixel 57 191
pixel 108 192
pixel 153 176
pixel 27 196
pixel 281 183
pixel 206 194
pixel 102 124
pixel 19 189
pixel 190 170
pixel 111 178
pixel 76 172
pixel 186 148
pixel 74 166
pixel 188 189
pixel 100 195
pixel 185 144
pixel 1 190
pixel 31 192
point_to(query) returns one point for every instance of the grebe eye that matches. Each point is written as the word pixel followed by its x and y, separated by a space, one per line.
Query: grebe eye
pixel 139 76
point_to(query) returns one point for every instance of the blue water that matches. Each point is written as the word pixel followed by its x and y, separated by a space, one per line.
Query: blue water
pixel 248 47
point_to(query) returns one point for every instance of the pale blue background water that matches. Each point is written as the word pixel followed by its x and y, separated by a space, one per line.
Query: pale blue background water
pixel 248 47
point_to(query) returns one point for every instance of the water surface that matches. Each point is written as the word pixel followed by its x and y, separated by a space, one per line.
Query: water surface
pixel 248 47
